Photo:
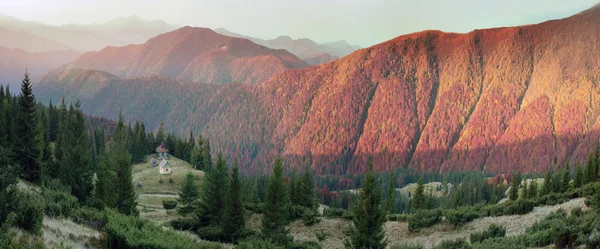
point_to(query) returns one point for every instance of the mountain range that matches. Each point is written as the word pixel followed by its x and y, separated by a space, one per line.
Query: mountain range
pixel 519 98
pixel 306 49
pixel 90 37
pixel 197 55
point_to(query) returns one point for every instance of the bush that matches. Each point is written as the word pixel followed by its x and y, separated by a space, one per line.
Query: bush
pixel 494 231
pixel 169 204
pixel 213 233
pixel 337 213
pixel 424 218
pixel 406 247
pixel 171 180
pixel 255 207
pixel 59 203
pixel 132 232
pixel 454 244
pixel 397 217
pixel 304 245
pixel 161 181
pixel 29 210
pixel 256 242
pixel 184 224
pixel 309 217
pixel 461 215
pixel 89 216
pixel 508 208
pixel 321 235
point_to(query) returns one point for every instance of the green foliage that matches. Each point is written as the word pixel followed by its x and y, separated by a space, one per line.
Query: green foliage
pixel 91 217
pixel 454 244
pixel 321 235
pixel 188 194
pixel 27 145
pixel 234 221
pixel 424 218
pixel 185 224
pixel 390 198
pixel 59 203
pixel 514 187
pixel 398 217
pixel 419 199
pixel 406 247
pixel 126 198
pixel 579 177
pixel 509 208
pixel 255 242
pixel 462 215
pixel 494 231
pixel 368 217
pixel 211 205
pixel 131 232
pixel 169 204
pixel 29 210
pixel 275 215
pixel 338 213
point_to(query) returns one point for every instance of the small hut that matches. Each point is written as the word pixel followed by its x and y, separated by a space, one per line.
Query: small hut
pixel 162 152
pixel 164 168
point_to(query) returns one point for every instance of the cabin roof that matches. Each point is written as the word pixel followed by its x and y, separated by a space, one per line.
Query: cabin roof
pixel 163 163
pixel 162 148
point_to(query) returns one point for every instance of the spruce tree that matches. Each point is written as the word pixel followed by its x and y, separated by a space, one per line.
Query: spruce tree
pixel 306 190
pixel 419 199
pixel 578 179
pixel 160 135
pixel 514 187
pixel 566 178
pixel 547 187
pixel 188 194
pixel 234 220
pixel 105 191
pixel 197 157
pixel 126 199
pixel 211 205
pixel 532 191
pixel 275 215
pixel 591 171
pixel 390 198
pixel 26 150
pixel 368 217
pixel 150 143
pixel 208 163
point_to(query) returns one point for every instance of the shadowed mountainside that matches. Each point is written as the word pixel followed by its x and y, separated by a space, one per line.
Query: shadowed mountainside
pixel 196 55
pixel 520 98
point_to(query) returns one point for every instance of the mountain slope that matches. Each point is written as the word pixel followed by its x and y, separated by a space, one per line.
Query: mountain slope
pixel 28 42
pixel 520 98
pixel 14 62
pixel 192 54
pixel 305 48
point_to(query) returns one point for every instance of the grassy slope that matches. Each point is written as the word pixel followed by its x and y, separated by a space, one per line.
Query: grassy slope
pixel 152 192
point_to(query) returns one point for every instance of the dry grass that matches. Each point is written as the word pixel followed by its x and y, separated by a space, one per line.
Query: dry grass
pixel 57 231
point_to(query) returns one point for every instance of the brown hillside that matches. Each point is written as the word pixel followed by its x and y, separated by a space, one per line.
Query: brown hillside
pixel 520 98
pixel 191 54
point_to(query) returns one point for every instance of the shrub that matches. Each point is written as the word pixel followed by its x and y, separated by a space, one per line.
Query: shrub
pixel 461 215
pixel 406 247
pixel 89 216
pixel 256 242
pixel 29 210
pixel 321 235
pixel 397 217
pixel 184 224
pixel 494 231
pixel 254 207
pixel 508 208
pixel 213 233
pixel 161 181
pixel 309 217
pixel 337 213
pixel 424 218
pixel 59 203
pixel 576 211
pixel 169 204
pixel 454 244
pixel 132 232
pixel 304 245
pixel 171 180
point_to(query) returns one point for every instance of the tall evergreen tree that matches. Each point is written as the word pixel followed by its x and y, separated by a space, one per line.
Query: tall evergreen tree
pixel 234 219
pixel 390 198
pixel 566 178
pixel 547 187
pixel 208 163
pixel 591 171
pixel 532 191
pixel 579 177
pixel 197 157
pixel 211 205
pixel 26 150
pixel 419 200
pixel 160 135
pixel 126 199
pixel 188 194
pixel 275 215
pixel 306 191
pixel 150 142
pixel 368 217
pixel 514 186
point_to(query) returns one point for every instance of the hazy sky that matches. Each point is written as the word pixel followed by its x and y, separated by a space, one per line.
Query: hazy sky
pixel 364 22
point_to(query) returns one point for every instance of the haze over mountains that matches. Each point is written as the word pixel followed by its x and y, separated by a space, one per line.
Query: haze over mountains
pixel 520 98
pixel 306 49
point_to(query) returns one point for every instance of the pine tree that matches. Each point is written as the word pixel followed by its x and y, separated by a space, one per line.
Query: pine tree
pixel 26 150
pixel 191 143
pixel 44 145
pixel 197 157
pixel 578 179
pixel 126 199
pixel 275 215
pixel 211 205
pixel 150 143
pixel 234 220
pixel 514 187
pixel 390 198
pixel 566 178
pixel 547 187
pixel 106 192
pixel 419 199
pixel 532 190
pixel 368 217
pixel 188 194
pixel 208 163
pixel 160 135
pixel 591 171
pixel 306 191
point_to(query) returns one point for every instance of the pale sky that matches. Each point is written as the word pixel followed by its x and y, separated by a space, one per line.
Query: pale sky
pixel 364 23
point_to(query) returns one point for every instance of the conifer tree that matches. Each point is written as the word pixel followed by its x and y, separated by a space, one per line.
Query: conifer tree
pixel 44 145
pixel 105 191
pixel 306 191
pixel 514 187
pixel 547 187
pixel 566 178
pixel 591 171
pixel 234 221
pixel 368 217
pixel 211 205
pixel 532 191
pixel 208 163
pixel 26 150
pixel 275 215
pixel 160 135
pixel 126 199
pixel 188 194
pixel 150 142
pixel 419 199
pixel 390 198
pixel 197 157
pixel 578 179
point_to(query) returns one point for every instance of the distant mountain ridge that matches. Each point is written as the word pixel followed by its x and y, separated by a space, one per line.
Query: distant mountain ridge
pixel 197 55
pixel 521 98
pixel 90 37
pixel 305 48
